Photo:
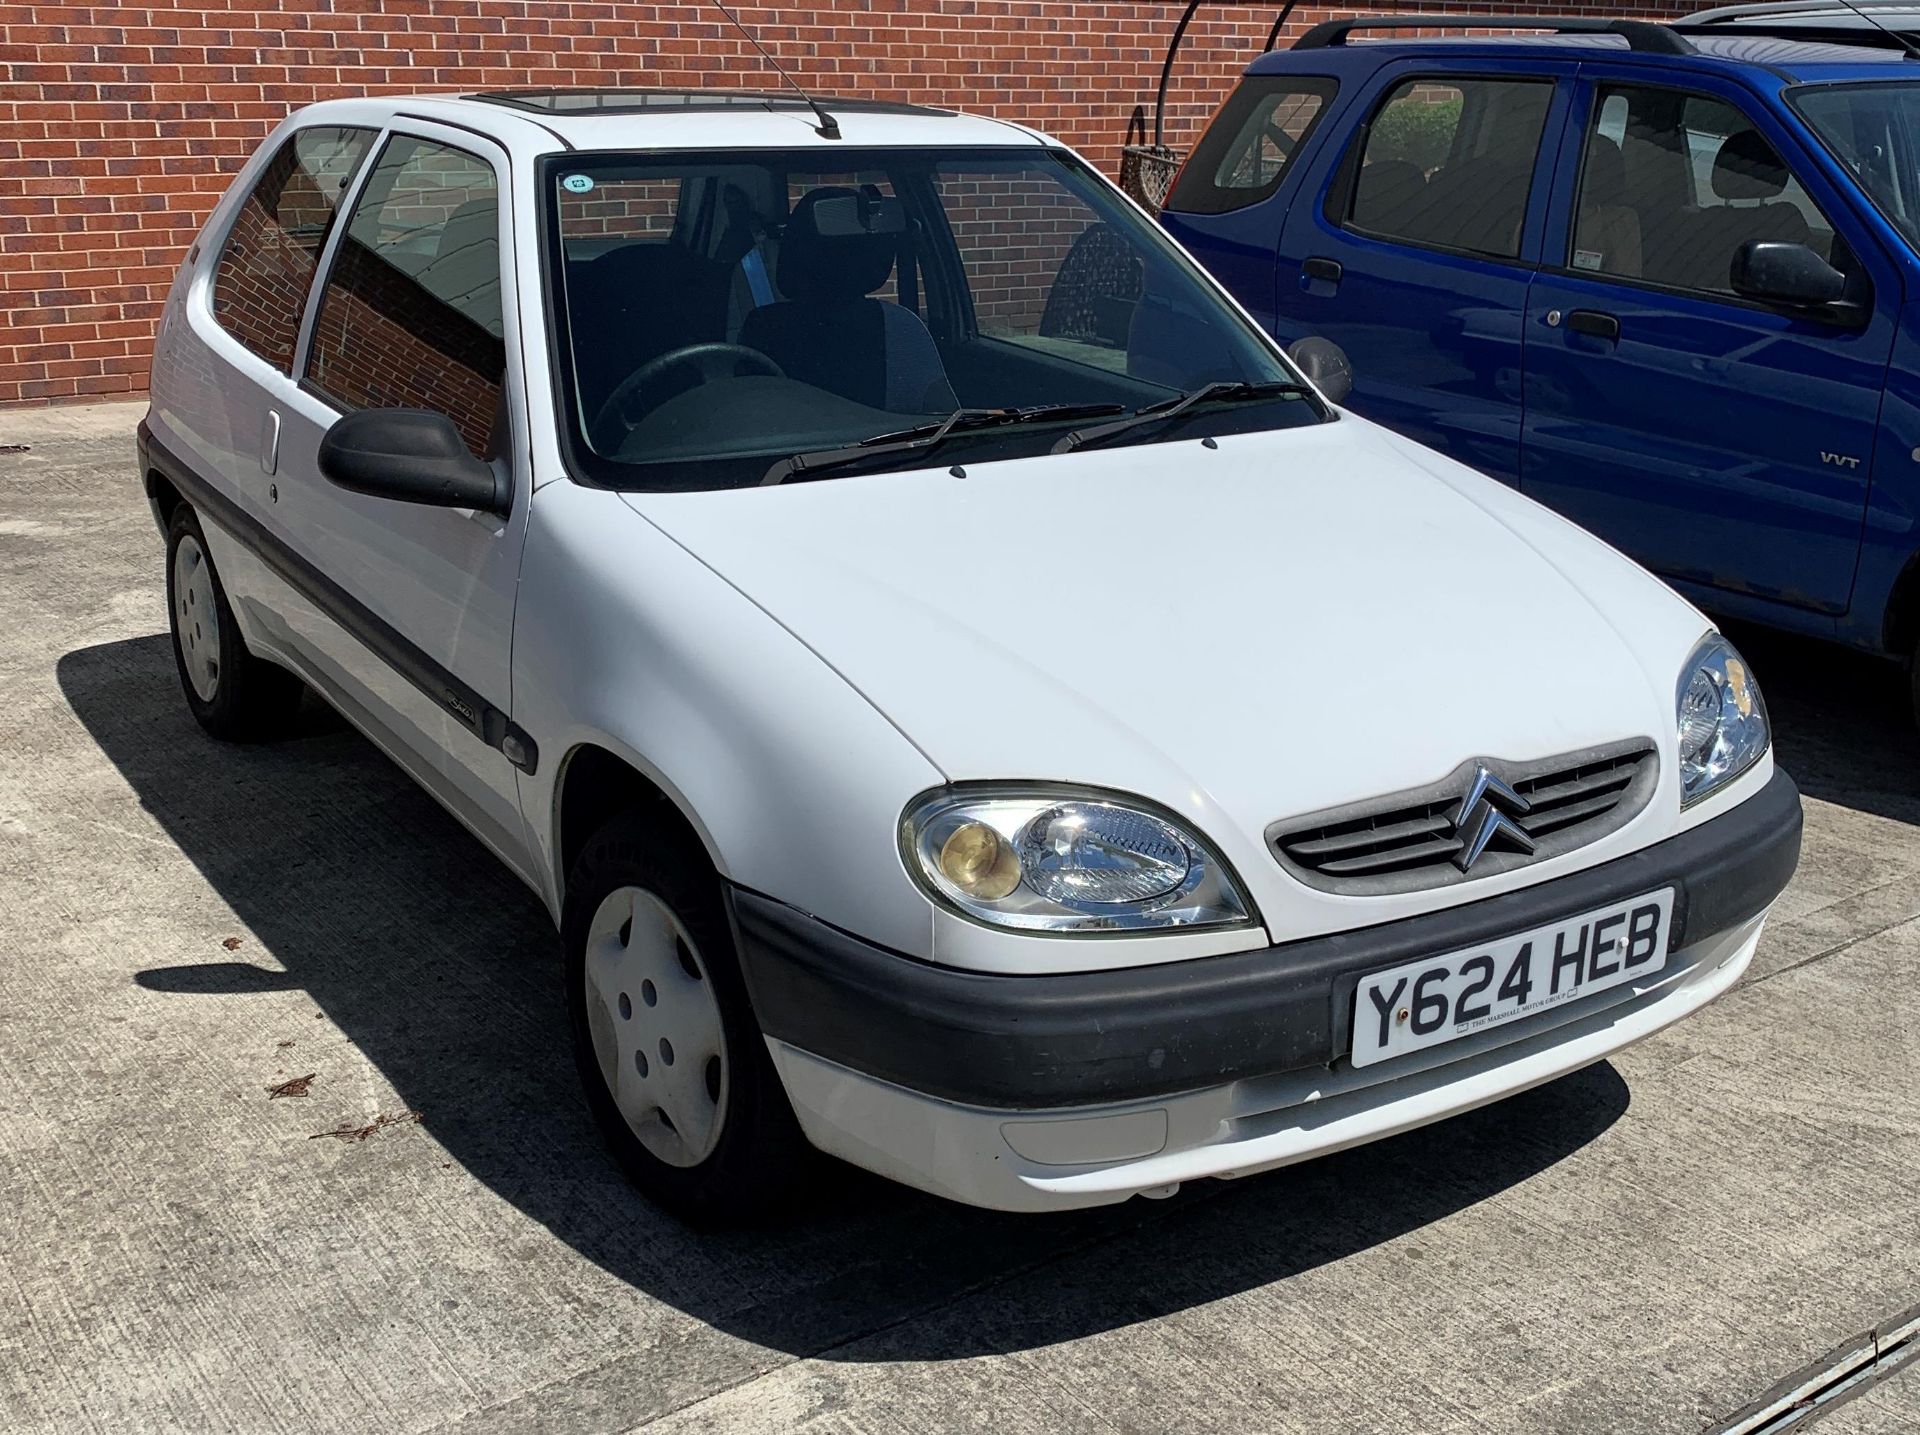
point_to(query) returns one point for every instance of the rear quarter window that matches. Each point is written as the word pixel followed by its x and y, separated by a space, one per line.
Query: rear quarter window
pixel 1251 143
pixel 267 263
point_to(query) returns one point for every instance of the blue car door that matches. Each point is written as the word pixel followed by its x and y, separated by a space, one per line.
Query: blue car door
pixel 1723 441
pixel 1235 189
pixel 1413 245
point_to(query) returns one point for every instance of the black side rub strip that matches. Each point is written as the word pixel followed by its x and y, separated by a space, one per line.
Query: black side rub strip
pixel 480 717
pixel 1079 1038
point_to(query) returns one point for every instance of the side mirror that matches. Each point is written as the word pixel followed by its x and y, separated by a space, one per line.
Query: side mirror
pixel 1785 274
pixel 411 456
pixel 1326 363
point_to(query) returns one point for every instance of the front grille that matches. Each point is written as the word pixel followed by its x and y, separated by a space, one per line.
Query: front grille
pixel 1421 838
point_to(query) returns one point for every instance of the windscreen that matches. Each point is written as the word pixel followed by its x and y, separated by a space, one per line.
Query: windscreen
pixel 1872 129
pixel 716 313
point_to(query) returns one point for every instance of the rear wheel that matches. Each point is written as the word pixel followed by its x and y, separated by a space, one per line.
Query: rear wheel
pixel 675 1069
pixel 234 695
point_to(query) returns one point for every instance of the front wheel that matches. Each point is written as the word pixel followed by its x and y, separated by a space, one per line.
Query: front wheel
pixel 1913 677
pixel 675 1069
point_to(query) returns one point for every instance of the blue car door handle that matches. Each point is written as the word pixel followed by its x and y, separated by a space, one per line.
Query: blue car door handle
pixel 1327 269
pixel 1592 321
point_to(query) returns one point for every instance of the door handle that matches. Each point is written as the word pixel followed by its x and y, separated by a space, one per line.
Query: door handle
pixel 1592 321
pixel 1327 269
pixel 270 443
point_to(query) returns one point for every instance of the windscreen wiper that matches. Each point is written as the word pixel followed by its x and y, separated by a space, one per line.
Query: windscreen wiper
pixel 926 436
pixel 1224 391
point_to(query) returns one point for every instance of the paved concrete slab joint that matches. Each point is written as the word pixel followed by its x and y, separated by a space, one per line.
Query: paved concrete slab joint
pixel 1844 1374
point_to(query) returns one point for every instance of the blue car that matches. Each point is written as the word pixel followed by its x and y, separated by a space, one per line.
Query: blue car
pixel 1664 278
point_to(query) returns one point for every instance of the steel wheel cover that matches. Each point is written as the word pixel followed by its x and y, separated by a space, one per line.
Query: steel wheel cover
pixel 656 1027
pixel 196 617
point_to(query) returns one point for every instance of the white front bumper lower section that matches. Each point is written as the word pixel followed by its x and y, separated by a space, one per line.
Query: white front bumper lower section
pixel 1091 1156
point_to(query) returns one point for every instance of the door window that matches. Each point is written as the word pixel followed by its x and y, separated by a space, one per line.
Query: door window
pixel 1449 163
pixel 266 266
pixel 410 316
pixel 1672 184
pixel 1247 148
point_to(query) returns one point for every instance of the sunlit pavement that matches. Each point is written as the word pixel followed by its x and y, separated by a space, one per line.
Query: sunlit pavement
pixel 1645 1246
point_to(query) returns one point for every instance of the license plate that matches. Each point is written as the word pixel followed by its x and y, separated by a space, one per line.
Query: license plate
pixel 1437 999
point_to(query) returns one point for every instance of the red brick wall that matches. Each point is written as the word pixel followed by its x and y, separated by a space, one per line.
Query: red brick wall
pixel 1010 285
pixel 119 124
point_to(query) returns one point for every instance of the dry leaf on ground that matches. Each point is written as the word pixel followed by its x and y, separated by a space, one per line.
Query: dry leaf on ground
pixel 361 1133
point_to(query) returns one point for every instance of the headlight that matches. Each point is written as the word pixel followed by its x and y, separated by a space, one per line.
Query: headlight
pixel 1058 862
pixel 1721 719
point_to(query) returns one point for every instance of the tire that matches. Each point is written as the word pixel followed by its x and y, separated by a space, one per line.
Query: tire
pixel 675 1069
pixel 236 696
pixel 1913 678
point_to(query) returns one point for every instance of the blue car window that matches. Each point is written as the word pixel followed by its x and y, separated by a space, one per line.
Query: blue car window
pixel 1449 163
pixel 1250 143
pixel 1672 184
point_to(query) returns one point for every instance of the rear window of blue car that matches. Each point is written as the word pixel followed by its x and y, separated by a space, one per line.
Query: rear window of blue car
pixel 1246 151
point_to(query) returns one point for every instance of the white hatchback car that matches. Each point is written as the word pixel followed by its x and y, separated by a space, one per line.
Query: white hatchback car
pixel 970 704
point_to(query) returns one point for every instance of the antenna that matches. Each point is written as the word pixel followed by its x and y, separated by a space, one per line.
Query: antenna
pixel 1913 51
pixel 828 128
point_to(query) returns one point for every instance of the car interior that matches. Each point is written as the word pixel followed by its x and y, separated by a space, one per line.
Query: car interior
pixel 1472 194
pixel 854 303
pixel 1674 184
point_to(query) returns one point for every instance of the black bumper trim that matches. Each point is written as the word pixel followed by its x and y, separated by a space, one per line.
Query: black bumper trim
pixel 1090 1037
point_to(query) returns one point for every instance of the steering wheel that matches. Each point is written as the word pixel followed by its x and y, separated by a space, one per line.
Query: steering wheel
pixel 708 361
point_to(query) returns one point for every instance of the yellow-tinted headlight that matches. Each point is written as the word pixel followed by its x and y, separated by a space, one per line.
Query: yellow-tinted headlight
pixel 1740 686
pixel 980 862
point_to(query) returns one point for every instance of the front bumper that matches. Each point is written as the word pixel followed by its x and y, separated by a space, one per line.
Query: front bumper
pixel 1083 1038
pixel 1038 1092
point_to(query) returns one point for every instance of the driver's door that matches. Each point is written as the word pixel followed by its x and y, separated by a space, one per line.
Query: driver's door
pixel 407 614
pixel 1724 442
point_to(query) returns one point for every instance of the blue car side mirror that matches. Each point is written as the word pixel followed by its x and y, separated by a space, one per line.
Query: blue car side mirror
pixel 1326 363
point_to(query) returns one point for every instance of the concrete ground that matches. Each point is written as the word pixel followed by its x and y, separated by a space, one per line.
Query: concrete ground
pixel 1647 1246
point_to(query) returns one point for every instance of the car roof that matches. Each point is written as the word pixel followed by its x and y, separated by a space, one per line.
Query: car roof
pixel 668 119
pixel 1815 15
pixel 1724 46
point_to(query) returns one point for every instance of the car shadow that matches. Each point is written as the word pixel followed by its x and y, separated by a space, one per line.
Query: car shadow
pixel 443 971
pixel 1843 725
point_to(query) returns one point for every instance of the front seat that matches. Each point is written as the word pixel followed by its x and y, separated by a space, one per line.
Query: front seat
pixel 827 332
pixel 465 269
pixel 1387 192
pixel 1607 233
pixel 1748 179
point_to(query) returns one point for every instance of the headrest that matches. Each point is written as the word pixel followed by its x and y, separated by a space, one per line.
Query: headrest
pixel 1747 168
pixel 848 262
pixel 1606 178
pixel 475 222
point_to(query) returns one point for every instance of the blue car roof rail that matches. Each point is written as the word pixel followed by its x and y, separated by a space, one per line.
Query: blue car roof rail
pixel 1643 35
